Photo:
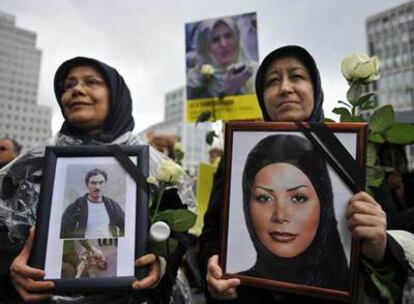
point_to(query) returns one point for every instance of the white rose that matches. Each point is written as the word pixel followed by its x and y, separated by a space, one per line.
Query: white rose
pixel 207 70
pixel 152 180
pixel 178 147
pixel 170 172
pixel 360 67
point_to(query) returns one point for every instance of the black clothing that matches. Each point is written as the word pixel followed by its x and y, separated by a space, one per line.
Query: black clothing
pixel 210 237
pixel 75 218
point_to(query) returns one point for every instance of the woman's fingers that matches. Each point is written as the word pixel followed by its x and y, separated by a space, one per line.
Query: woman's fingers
pixel 24 277
pixel 20 267
pixel 223 289
pixel 213 267
pixel 153 276
pixel 368 223
pixel 31 297
pixel 146 260
pixel 31 285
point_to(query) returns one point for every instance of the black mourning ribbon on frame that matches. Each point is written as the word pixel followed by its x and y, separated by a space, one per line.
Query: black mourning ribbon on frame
pixel 328 145
pixel 128 165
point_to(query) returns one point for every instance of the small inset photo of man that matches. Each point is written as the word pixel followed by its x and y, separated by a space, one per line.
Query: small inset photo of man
pixel 89 258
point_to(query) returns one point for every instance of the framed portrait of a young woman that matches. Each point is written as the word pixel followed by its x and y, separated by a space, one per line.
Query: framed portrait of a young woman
pixel 287 186
pixel 92 217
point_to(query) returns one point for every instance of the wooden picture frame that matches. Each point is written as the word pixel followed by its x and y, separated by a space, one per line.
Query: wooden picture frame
pixel 80 253
pixel 264 198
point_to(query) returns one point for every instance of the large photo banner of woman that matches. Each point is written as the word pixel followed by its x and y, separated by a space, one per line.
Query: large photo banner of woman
pixel 286 213
pixel 221 64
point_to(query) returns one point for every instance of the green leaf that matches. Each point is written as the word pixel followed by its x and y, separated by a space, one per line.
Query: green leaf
pixel 204 116
pixel 368 105
pixel 345 118
pixel 376 138
pixel 345 114
pixel 364 98
pixel 371 154
pixel 345 104
pixel 210 137
pixel 381 287
pixel 400 133
pixel 382 119
pixel 341 111
pixel 354 92
pixel 328 120
pixel 161 248
pixel 358 118
pixel 179 220
pixel 375 176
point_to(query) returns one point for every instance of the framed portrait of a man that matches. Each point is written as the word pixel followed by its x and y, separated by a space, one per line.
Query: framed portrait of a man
pixel 92 212
pixel 286 191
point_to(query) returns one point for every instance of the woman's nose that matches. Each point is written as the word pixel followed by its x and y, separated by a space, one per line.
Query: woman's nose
pixel 78 89
pixel 286 86
pixel 223 42
pixel 280 213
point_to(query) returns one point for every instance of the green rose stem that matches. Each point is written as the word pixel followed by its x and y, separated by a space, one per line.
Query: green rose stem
pixel 213 103
pixel 157 205
pixel 159 197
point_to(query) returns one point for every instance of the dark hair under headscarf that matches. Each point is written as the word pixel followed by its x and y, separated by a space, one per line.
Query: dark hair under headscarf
pixel 307 60
pixel 119 120
pixel 324 260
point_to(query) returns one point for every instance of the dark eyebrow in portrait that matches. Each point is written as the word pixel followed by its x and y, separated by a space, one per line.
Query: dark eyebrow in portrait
pixel 289 189
pixel 297 187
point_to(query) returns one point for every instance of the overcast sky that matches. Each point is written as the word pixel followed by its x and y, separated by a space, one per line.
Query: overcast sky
pixel 144 40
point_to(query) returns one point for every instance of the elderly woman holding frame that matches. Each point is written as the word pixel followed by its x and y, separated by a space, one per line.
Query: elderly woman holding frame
pixel 97 107
pixel 288 88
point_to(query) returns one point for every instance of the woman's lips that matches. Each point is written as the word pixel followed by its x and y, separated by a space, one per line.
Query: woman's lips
pixel 283 237
pixel 77 103
pixel 288 102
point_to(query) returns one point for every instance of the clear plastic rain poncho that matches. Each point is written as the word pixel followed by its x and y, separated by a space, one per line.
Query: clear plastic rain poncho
pixel 20 180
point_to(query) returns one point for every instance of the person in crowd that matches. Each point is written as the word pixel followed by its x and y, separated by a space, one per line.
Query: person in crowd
pixel 93 215
pixel 289 213
pixel 164 143
pixel 288 88
pixel 214 155
pixel 9 150
pixel 218 45
pixel 97 107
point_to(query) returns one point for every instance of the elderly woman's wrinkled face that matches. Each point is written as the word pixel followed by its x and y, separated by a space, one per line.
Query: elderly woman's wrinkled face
pixel 223 44
pixel 288 92
pixel 85 99
pixel 285 209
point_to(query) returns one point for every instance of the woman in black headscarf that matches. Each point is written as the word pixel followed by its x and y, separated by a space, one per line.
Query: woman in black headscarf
pixel 298 59
pixel 300 72
pixel 288 88
pixel 97 107
pixel 284 182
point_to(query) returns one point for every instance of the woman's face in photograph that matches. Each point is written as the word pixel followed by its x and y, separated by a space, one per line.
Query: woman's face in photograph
pixel 223 44
pixel 288 93
pixel 85 99
pixel 285 209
